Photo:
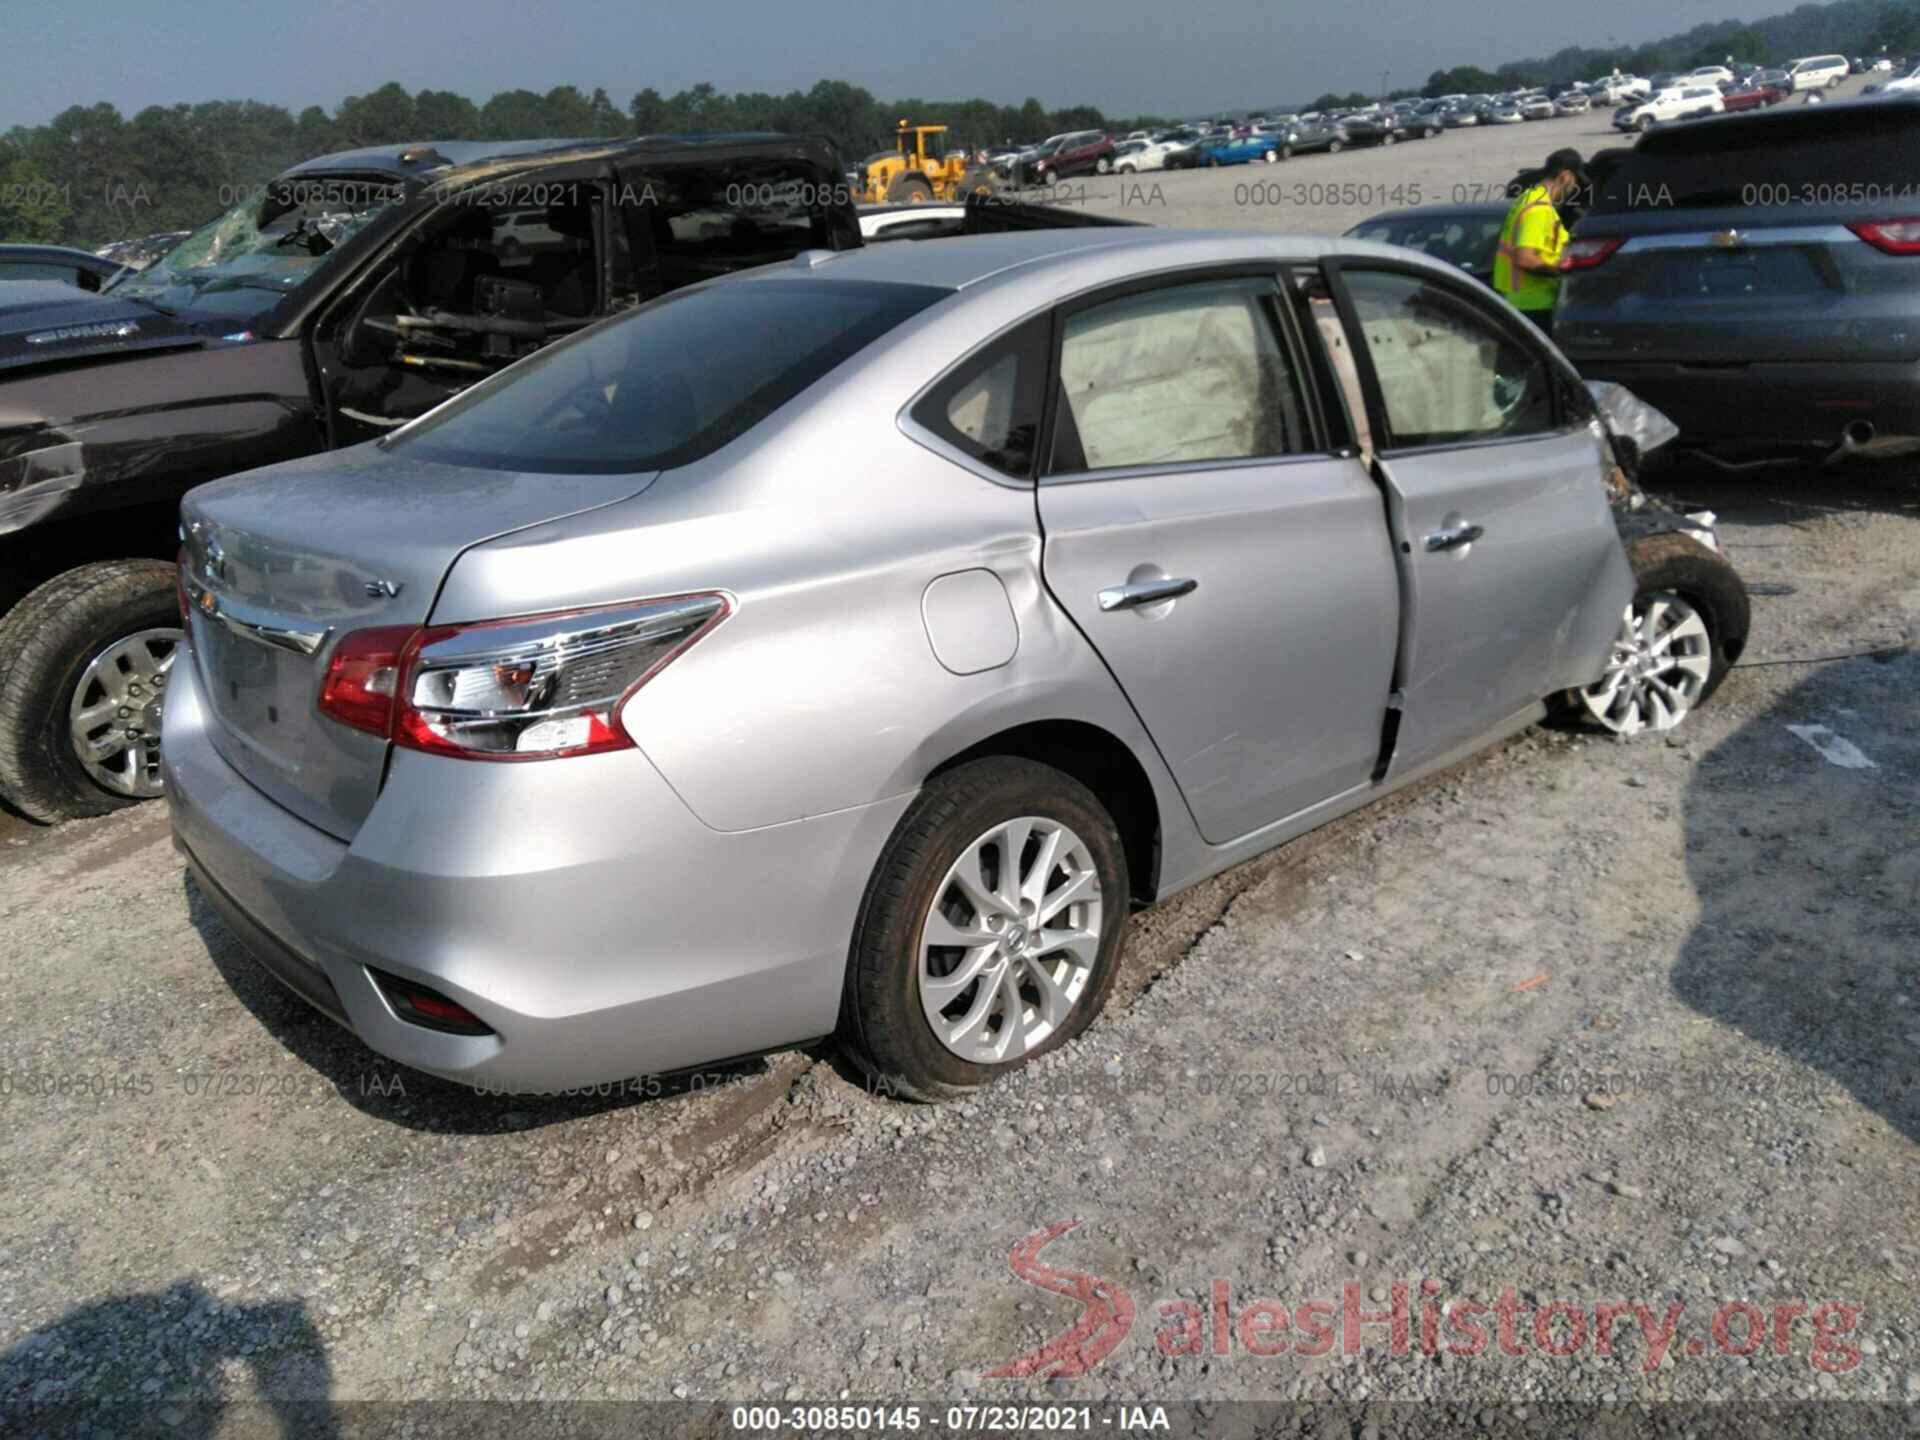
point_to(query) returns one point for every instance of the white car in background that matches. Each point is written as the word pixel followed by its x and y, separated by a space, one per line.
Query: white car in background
pixel 1677 102
pixel 1903 84
pixel 1818 72
pixel 1708 75
pixel 1144 155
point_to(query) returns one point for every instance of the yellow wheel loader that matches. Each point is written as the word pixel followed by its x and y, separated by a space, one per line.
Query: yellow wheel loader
pixel 919 170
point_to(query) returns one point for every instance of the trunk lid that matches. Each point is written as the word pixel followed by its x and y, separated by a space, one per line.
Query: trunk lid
pixel 285 561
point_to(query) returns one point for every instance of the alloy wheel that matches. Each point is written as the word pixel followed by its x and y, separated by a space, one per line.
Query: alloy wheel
pixel 113 719
pixel 1009 945
pixel 1658 668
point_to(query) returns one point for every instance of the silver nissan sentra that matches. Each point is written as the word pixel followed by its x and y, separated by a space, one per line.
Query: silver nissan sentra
pixel 849 644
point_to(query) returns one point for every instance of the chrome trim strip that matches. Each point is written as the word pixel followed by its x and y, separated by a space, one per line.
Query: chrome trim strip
pixel 1759 235
pixel 251 622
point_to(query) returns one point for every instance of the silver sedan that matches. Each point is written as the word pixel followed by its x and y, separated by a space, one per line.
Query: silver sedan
pixel 851 644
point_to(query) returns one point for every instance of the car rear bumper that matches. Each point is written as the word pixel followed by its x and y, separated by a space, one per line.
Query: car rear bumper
pixel 1766 405
pixel 577 907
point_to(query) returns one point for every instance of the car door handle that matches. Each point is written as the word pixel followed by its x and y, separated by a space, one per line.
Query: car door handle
pixel 1145 592
pixel 1453 539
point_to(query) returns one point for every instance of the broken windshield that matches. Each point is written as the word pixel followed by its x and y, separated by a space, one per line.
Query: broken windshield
pixel 233 270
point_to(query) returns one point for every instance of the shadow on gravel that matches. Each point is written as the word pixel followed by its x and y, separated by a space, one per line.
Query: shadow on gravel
pixel 392 1092
pixel 166 1362
pixel 1808 874
pixel 1790 494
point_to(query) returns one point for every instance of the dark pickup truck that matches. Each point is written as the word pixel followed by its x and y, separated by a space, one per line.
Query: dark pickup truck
pixel 350 295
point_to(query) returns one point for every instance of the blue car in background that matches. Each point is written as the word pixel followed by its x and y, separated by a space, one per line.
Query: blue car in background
pixel 1241 151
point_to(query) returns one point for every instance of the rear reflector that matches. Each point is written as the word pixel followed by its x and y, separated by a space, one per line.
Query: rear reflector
pixel 362 678
pixel 427 1008
pixel 1896 237
pixel 1585 254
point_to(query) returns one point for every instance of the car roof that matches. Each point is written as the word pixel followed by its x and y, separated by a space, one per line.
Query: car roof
pixel 442 160
pixel 1859 116
pixel 1082 255
pixel 1478 210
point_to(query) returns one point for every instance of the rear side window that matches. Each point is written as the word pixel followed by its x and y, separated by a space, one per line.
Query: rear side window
pixel 989 406
pixel 1840 155
pixel 664 384
pixel 1184 375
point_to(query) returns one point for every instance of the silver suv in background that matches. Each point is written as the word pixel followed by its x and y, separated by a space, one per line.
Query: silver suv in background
pixel 1757 278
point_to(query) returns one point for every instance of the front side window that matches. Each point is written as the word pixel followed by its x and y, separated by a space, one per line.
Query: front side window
pixel 1448 373
pixel 664 384
pixel 1182 375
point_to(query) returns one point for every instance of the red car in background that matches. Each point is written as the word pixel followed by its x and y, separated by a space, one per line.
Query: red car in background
pixel 1769 87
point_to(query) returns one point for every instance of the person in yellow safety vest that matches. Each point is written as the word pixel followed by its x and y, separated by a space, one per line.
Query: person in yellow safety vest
pixel 1532 241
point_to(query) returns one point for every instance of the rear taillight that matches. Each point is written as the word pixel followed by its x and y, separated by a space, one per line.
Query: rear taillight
pixel 1585 254
pixel 363 676
pixel 1896 237
pixel 536 688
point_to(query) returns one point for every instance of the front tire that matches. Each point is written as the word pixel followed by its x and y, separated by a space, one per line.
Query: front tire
pixel 909 190
pixel 1103 165
pixel 1334 147
pixel 1686 625
pixel 991 929
pixel 84 661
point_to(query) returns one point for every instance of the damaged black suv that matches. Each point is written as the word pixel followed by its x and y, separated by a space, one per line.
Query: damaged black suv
pixel 350 295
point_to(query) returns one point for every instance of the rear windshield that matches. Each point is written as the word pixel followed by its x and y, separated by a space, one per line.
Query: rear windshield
pixel 667 383
pixel 1863 155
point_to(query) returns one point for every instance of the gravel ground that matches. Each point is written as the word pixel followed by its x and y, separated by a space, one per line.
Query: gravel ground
pixel 1590 1021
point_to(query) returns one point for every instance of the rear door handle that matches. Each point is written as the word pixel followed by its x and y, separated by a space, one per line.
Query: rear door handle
pixel 1453 539
pixel 1145 592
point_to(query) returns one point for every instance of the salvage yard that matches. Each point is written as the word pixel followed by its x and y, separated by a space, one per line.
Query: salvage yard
pixel 1599 1021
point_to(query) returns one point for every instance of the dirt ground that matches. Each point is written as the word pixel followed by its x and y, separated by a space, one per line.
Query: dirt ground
pixel 1589 1021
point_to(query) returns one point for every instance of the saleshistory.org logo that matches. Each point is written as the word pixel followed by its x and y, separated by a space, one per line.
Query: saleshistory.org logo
pixel 1464 1327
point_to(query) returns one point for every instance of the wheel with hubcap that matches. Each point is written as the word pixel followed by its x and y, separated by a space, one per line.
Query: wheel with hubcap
pixel 84 664
pixel 1678 637
pixel 991 929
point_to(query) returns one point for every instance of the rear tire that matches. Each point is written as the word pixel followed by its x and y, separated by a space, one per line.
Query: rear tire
pixel 888 1013
pixel 978 181
pixel 47 644
pixel 1334 147
pixel 909 190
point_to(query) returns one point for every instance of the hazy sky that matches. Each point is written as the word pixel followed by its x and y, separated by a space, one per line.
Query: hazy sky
pixel 1125 56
